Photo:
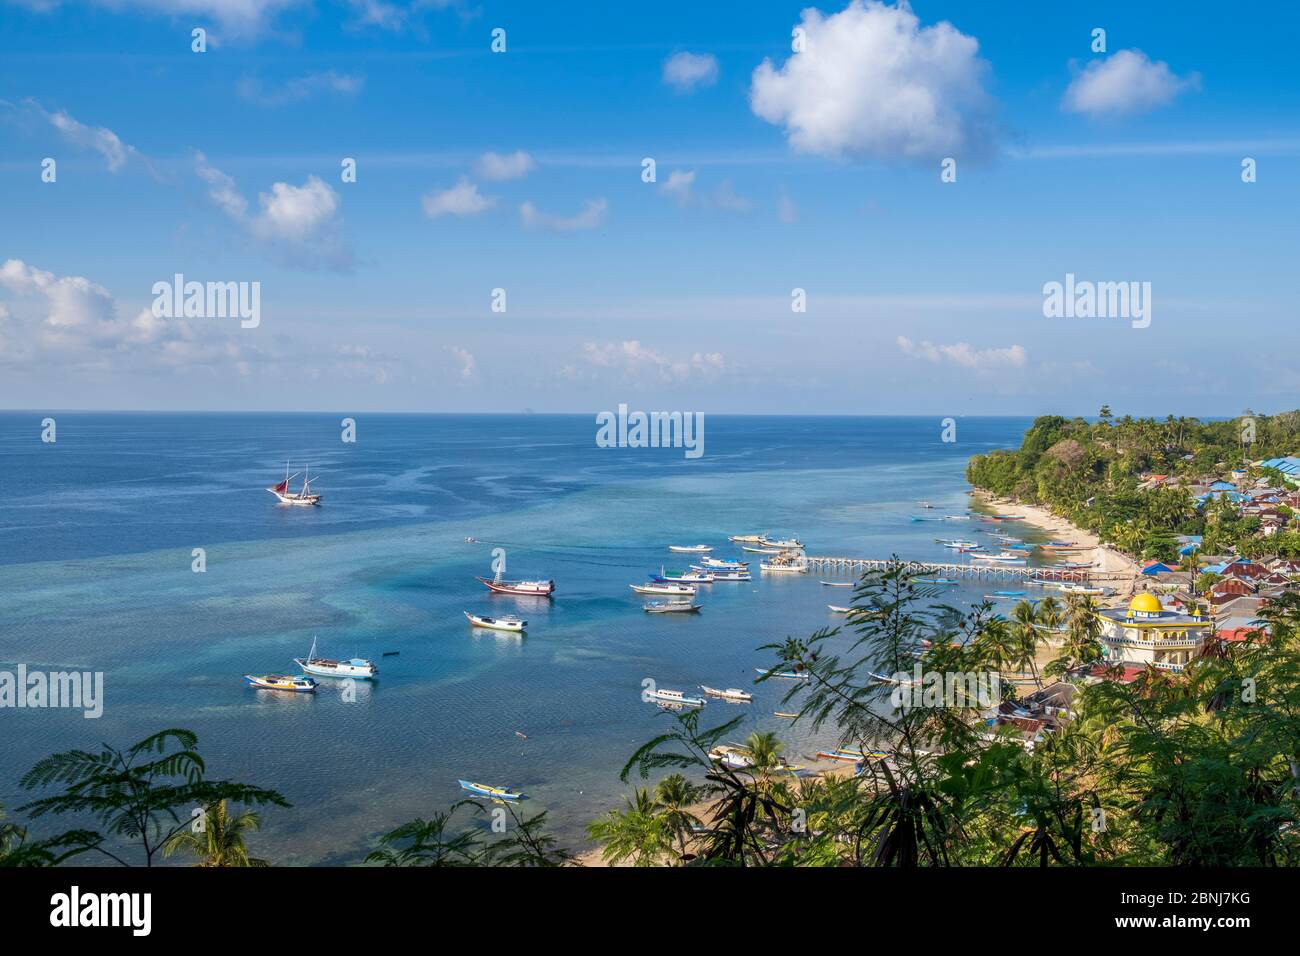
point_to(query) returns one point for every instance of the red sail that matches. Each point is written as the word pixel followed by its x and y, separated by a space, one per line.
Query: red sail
pixel 282 487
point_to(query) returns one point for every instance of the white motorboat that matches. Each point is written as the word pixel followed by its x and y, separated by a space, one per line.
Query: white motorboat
pixel 672 607
pixel 690 549
pixel 675 697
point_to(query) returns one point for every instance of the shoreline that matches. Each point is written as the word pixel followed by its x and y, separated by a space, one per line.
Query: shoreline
pixel 1112 567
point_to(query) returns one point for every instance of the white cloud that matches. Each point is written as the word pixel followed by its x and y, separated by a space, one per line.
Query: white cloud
pixel 300 88
pixel 301 223
pixel 242 18
pixel 296 213
pixel 592 215
pixel 965 355
pixel 872 82
pixel 496 166
pixel 468 367
pixel 633 359
pixel 680 187
pixel 462 199
pixel 685 71
pixel 396 16
pixel 1125 82
pixel 98 138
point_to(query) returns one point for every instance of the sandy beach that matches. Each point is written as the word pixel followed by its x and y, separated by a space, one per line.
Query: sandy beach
pixel 1112 568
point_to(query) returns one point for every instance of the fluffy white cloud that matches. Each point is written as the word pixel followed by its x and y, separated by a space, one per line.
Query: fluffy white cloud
pixel 234 17
pixel 462 199
pixel 592 215
pixel 299 88
pixel 296 213
pixel 871 81
pixel 1125 82
pixel 301 223
pixel 631 358
pixel 965 355
pixel 680 185
pixel 685 71
pixel 496 166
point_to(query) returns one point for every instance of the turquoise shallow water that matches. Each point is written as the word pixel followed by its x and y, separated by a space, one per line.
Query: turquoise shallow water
pixel 97 576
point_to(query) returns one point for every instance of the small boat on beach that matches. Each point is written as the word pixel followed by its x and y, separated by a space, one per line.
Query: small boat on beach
pixel 671 607
pixel 285 682
pixel 849 755
pixel 357 667
pixel 520 588
pixel 486 790
pixel 785 675
pixel 497 623
pixel 665 587
pixel 676 697
pixel 731 756
pixel 690 549
pixel 731 693
pixel 836 584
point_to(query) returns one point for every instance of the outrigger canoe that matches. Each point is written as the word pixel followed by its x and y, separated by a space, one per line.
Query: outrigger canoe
pixel 496 793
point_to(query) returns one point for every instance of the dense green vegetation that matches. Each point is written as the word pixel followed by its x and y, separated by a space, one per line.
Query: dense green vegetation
pixel 1089 473
pixel 1191 769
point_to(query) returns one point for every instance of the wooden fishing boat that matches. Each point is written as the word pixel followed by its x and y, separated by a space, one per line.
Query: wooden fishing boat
pixel 285 682
pixel 785 675
pixel 672 607
pixel 497 623
pixel 486 790
pixel 665 587
pixel 849 755
pixel 521 588
pixel 690 548
pixel 731 693
pixel 358 668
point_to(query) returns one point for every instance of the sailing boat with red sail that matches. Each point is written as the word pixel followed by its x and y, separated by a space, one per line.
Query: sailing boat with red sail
pixel 286 497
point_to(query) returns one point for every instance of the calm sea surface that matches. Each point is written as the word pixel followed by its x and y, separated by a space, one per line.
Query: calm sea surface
pixel 97 530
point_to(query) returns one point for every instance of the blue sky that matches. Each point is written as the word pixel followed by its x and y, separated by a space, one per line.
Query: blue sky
pixel 820 171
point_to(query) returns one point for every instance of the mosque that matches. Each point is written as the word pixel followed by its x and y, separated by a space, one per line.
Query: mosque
pixel 1146 634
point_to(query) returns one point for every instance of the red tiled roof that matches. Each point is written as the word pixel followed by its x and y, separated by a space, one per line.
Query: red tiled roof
pixel 1236 634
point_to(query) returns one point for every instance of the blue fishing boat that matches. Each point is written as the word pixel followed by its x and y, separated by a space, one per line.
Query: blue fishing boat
pixel 935 581
pixel 496 793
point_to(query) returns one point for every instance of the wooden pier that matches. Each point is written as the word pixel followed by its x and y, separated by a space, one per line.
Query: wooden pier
pixel 856 566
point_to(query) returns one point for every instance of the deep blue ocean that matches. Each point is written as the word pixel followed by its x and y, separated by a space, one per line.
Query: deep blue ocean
pixel 97 531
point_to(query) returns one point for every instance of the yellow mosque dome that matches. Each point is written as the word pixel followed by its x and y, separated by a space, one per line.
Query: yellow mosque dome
pixel 1145 603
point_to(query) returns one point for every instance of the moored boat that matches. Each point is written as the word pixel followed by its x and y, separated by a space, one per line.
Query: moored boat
pixel 690 549
pixel 497 623
pixel 675 697
pixel 356 667
pixel 672 607
pixel 850 755
pixel 522 588
pixel 286 682
pixel 790 562
pixel 731 693
pixel 837 584
pixel 746 538
pixel 665 587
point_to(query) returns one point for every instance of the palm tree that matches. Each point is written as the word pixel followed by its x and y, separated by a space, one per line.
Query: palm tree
pixel 1024 625
pixel 636 833
pixel 1082 633
pixel 764 752
pixel 221 841
pixel 674 796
